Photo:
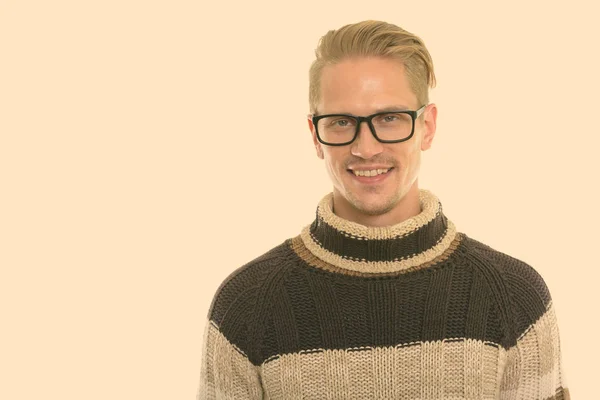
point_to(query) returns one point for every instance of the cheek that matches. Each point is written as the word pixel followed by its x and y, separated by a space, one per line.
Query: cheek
pixel 333 170
pixel 413 149
pixel 408 160
pixel 334 161
pixel 414 161
pixel 407 154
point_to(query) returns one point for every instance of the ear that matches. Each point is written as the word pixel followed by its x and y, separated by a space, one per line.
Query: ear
pixel 318 145
pixel 429 125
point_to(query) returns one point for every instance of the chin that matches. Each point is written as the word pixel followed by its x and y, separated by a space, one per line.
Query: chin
pixel 373 204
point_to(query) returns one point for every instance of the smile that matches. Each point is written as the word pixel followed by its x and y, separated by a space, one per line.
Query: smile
pixel 372 172
pixel 370 176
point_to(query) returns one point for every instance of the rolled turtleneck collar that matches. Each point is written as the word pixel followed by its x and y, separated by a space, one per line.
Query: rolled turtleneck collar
pixel 344 245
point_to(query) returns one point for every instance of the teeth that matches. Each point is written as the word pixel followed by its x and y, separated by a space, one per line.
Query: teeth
pixel 372 172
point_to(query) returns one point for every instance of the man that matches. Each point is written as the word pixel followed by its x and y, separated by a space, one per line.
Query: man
pixel 380 297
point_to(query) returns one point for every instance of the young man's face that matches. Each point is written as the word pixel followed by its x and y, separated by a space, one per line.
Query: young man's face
pixel 362 87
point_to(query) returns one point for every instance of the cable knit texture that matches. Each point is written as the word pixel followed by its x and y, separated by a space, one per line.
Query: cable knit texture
pixel 415 310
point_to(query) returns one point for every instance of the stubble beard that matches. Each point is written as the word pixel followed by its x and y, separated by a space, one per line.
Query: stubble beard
pixel 374 209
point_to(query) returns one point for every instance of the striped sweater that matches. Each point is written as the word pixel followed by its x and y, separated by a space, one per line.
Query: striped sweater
pixel 415 310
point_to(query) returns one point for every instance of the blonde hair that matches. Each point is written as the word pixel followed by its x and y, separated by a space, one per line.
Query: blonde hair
pixel 373 39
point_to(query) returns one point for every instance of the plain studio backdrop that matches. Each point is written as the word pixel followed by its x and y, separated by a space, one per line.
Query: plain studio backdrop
pixel 150 148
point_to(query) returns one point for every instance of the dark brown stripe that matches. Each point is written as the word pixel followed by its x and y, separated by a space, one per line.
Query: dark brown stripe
pixel 400 248
pixel 561 394
pixel 279 304
pixel 435 315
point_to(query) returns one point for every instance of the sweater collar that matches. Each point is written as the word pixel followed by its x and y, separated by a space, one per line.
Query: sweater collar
pixel 410 244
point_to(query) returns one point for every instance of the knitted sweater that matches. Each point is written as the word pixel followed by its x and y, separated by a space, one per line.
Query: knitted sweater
pixel 416 310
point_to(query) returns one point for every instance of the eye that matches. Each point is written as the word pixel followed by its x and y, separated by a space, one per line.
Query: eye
pixel 392 119
pixel 341 122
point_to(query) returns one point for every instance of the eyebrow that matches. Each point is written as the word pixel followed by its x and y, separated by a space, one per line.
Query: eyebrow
pixel 392 108
pixel 378 110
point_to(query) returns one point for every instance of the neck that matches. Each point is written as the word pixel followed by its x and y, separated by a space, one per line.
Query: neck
pixel 338 244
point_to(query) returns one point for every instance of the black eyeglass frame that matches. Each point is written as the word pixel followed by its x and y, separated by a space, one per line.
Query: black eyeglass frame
pixel 368 119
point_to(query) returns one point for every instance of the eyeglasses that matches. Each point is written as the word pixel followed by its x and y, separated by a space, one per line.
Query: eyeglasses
pixel 387 126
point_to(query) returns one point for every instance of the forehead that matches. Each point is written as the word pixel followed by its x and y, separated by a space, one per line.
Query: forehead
pixel 364 85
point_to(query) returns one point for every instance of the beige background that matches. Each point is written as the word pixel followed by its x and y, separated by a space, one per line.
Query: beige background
pixel 149 148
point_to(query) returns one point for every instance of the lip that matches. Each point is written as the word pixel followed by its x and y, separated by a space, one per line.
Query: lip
pixel 369 167
pixel 372 179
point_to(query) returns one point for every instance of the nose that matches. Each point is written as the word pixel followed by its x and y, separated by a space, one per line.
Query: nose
pixel 366 145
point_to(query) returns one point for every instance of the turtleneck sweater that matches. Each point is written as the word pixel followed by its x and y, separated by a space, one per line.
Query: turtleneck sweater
pixel 415 310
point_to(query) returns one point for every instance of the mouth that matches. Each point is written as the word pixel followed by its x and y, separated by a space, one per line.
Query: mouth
pixel 372 176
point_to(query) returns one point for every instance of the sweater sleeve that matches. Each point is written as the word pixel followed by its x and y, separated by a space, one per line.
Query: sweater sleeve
pixel 225 371
pixel 533 367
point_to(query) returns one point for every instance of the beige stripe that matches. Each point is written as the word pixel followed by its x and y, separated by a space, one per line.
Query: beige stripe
pixel 385 368
pixel 225 372
pixel 336 372
pixel 439 369
pixel 297 244
pixel 534 365
pixel 408 362
pixel 378 266
pixel 449 369
pixel 430 205
pixel 360 366
pixel 456 361
pixel 492 370
pixel 432 369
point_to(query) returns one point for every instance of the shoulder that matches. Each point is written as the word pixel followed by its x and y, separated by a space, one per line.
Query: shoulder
pixel 233 310
pixel 237 293
pixel 518 286
pixel 522 278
